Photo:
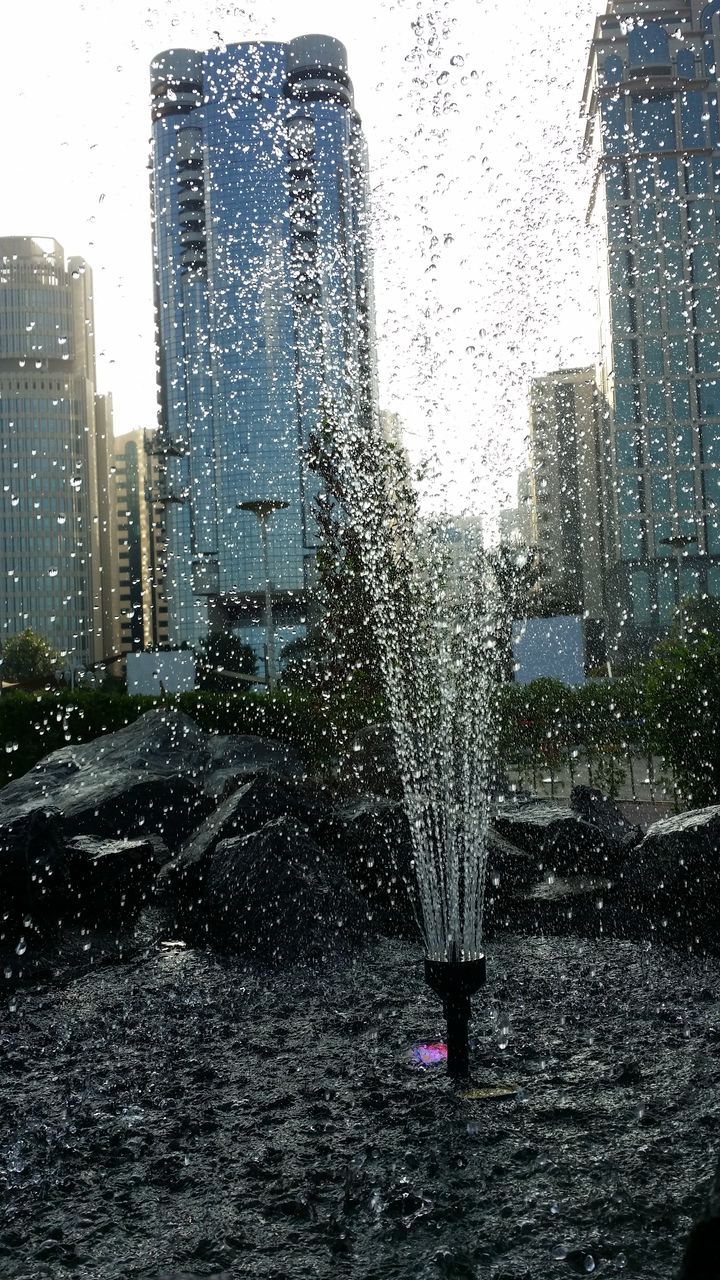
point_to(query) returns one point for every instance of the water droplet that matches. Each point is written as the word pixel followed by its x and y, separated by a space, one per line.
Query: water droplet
pixel 457 60
pixel 444 75
pixel 589 1263
pixel 61 519
pixel 21 947
pixel 52 573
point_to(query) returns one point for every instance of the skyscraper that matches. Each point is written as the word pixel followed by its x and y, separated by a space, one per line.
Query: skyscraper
pixel 54 433
pixel 139 608
pixel 651 106
pixel 264 310
pixel 565 490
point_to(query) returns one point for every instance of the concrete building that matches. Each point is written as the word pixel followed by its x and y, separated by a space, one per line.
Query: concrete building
pixel 264 311
pixel 566 524
pixel 651 110
pixel 140 609
pixel 54 433
pixel 515 523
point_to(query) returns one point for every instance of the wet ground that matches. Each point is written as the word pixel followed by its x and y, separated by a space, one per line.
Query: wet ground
pixel 181 1115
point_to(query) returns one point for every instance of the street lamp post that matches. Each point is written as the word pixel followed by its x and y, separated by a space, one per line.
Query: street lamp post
pixel 679 542
pixel 262 509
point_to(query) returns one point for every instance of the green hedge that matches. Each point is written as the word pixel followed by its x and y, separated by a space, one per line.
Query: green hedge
pixel 34 724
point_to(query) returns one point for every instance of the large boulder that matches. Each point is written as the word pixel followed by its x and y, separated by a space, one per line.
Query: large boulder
pixel 234 758
pixel 160 743
pixel 32 870
pixel 371 841
pixel 561 842
pixel 597 809
pixel 147 778
pixel 672 879
pixel 272 895
pixel 262 798
pixel 371 764
pixel 510 872
pixel 701 1260
pixel 109 881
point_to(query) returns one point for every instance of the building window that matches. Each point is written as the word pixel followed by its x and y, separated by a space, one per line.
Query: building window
pixel 625 403
pixel 711 479
pixel 613 121
pixel 710 441
pixel 616 182
pixel 685 490
pixel 660 489
pixel 685 64
pixel 648 45
pixel 657 447
pixel 654 123
pixel 682 447
pixel 692 109
pixel 709 399
pixel 697 176
pixel 612 70
pixel 641 595
pixel 626 449
pixel 680 393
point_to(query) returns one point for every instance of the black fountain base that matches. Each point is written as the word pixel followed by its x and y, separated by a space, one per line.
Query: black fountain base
pixel 455 981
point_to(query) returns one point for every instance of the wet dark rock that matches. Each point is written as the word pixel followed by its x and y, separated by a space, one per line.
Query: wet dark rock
pixel 32 867
pixel 562 843
pixel 565 905
pixel 371 840
pixel 272 895
pixel 109 881
pixel 371 764
pixel 510 873
pixel 601 812
pixel 160 743
pixel 672 879
pixel 233 758
pixel 701 1260
pixel 262 798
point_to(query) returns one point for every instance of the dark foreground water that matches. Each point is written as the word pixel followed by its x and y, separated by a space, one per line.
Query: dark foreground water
pixel 182 1116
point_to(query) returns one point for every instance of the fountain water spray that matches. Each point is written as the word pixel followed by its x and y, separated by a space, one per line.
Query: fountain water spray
pixel 442 631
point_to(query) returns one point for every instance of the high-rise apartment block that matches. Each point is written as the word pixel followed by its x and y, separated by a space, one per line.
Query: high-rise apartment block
pixel 651 106
pixel 264 310
pixel 54 433
pixel 565 489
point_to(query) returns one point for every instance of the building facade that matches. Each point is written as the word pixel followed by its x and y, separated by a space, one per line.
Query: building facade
pixel 264 309
pixel 54 441
pixel 651 107
pixel 566 523
pixel 140 608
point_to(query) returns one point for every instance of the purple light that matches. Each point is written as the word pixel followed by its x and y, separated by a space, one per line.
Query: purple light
pixel 429 1055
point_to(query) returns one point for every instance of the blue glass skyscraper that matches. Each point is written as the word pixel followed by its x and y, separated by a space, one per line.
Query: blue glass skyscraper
pixel 264 309
pixel 653 128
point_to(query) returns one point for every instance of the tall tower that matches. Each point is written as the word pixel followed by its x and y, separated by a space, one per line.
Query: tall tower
pixel 565 487
pixel 54 433
pixel 651 106
pixel 264 310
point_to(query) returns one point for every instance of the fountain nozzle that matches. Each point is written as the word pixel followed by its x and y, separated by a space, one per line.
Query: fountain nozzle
pixel 455 981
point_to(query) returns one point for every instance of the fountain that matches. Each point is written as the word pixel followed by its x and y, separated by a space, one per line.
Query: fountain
pixel 442 623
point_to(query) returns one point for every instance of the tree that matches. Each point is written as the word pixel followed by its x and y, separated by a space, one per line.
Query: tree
pixel 28 658
pixel 681 692
pixel 222 652
pixel 342 645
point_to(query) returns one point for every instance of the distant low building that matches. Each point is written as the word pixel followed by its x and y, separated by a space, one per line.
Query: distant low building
pixel 549 648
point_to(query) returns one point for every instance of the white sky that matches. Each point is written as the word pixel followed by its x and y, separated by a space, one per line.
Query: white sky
pixel 482 269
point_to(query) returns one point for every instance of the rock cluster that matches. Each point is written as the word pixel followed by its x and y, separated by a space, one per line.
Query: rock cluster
pixel 244 854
